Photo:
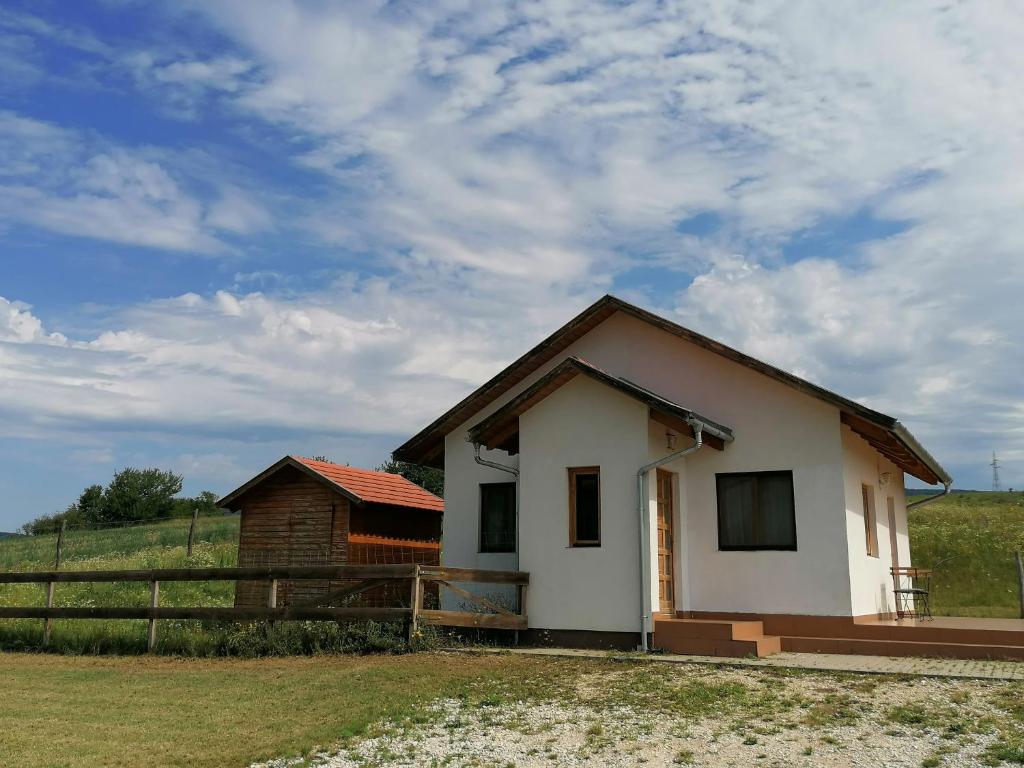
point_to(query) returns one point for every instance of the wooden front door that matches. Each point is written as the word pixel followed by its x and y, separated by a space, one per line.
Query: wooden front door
pixel 666 567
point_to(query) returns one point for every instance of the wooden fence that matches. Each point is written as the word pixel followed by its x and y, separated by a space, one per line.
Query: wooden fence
pixel 365 577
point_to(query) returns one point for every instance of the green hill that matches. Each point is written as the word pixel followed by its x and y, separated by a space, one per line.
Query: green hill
pixel 969 539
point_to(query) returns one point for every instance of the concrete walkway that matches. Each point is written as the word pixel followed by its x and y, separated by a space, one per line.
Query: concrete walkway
pixel 825 662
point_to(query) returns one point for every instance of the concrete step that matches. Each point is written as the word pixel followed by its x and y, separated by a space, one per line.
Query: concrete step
pixel 702 637
pixel 880 647
pixel 712 628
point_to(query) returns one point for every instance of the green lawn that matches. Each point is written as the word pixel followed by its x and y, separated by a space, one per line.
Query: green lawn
pixel 153 711
pixel 970 538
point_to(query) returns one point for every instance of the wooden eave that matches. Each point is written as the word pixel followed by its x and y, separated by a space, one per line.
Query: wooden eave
pixel 501 429
pixel 889 443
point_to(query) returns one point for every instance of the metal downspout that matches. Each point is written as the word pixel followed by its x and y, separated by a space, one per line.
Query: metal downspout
pixel 504 468
pixel 642 511
pixel 929 499
pixel 514 471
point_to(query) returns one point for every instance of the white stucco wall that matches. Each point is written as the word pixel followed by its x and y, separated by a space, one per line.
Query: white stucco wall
pixel 870 578
pixel 776 428
pixel 582 424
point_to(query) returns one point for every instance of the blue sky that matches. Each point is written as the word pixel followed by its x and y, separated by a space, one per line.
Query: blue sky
pixel 231 230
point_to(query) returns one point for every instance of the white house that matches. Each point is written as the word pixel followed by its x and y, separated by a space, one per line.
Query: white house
pixel 641 472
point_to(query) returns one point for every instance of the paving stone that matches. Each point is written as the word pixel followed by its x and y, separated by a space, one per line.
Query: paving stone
pixel 833 662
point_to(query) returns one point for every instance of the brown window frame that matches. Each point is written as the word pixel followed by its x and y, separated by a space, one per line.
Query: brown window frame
pixel 573 473
pixel 481 547
pixel 867 500
pixel 722 546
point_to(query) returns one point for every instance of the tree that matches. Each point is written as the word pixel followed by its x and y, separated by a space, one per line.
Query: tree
pixel 425 477
pixel 89 506
pixel 133 495
pixel 205 502
pixel 140 494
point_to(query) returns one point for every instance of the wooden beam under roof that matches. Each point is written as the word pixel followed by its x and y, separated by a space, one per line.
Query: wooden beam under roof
pixel 890 446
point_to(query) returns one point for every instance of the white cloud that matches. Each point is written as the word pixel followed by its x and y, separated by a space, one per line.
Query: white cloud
pixel 502 160
pixel 935 341
pixel 76 184
pixel 18 324
pixel 222 74
pixel 237 212
pixel 361 359
pixel 558 134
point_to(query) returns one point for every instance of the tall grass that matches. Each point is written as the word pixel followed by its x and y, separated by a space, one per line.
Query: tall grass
pixel 161 545
pixel 24 553
pixel 969 539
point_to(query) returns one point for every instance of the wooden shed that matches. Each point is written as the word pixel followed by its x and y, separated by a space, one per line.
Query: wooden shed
pixel 307 512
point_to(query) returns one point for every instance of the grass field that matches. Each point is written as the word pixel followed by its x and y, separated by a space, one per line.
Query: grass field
pixel 144 711
pixel 970 538
pixel 216 539
pixel 162 545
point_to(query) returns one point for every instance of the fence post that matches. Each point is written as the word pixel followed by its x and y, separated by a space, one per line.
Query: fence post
pixel 415 604
pixel 48 623
pixel 272 599
pixel 1020 581
pixel 522 608
pixel 192 530
pixel 154 601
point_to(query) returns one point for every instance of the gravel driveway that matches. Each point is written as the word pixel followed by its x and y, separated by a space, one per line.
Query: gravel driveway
pixel 661 715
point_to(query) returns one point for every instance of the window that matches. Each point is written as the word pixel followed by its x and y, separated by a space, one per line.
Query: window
pixel 755 511
pixel 497 517
pixel 585 506
pixel 867 494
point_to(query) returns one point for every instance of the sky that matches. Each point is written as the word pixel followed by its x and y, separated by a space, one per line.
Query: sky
pixel 236 229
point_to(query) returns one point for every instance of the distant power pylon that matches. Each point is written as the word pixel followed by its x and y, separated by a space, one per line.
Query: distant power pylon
pixel 995 472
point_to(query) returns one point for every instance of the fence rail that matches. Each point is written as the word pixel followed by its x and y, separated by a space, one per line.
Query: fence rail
pixel 365 576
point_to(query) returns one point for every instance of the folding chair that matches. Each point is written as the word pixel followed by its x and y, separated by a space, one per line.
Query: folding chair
pixel 911 588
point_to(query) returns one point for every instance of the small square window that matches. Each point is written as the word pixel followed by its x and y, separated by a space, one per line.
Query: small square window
pixel 585 506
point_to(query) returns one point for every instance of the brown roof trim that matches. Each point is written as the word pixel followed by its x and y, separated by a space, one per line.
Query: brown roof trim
pixel 288 461
pixel 427 446
pixel 500 429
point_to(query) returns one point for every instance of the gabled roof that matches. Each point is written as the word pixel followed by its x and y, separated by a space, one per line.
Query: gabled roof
pixel 359 485
pixel 884 432
pixel 501 428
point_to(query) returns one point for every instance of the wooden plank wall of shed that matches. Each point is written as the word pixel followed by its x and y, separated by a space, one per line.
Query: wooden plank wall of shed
pixel 291 519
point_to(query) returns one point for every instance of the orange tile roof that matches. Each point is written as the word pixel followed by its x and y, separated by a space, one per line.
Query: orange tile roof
pixel 376 487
